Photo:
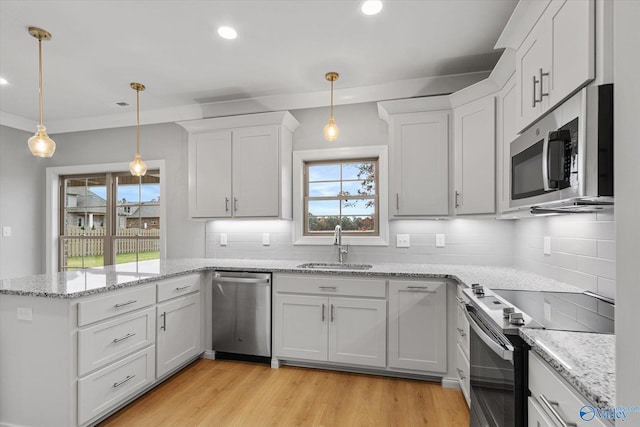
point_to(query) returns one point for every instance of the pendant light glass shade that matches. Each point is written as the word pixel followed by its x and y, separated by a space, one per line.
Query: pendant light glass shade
pixel 40 144
pixel 137 167
pixel 331 130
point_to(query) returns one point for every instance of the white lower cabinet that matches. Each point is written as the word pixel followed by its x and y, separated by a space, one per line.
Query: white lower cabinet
pixel 109 386
pixel 418 325
pixel 311 325
pixel 462 369
pixel 178 324
pixel 554 401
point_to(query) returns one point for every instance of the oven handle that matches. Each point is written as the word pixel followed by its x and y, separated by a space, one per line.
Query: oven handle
pixel 545 164
pixel 505 351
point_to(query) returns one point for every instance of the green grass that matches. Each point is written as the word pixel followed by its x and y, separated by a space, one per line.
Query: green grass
pixel 98 260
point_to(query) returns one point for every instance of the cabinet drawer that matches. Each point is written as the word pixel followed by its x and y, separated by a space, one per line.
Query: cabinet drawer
pixel 110 340
pixel 175 287
pixel 330 285
pixel 462 368
pixel 462 331
pixel 544 381
pixel 461 298
pixel 106 388
pixel 115 303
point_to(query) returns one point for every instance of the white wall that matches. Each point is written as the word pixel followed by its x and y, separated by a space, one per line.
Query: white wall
pixel 22 182
pixel 627 190
pixel 583 251
pixel 22 187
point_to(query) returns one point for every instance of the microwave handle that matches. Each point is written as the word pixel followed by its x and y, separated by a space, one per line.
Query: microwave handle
pixel 545 164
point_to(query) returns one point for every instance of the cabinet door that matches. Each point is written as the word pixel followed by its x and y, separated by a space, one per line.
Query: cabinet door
pixel 531 57
pixel 418 325
pixel 570 28
pixel 357 331
pixel 474 148
pixel 419 176
pixel 506 132
pixel 462 368
pixel 256 172
pixel 210 175
pixel 179 326
pixel 300 327
pixel 536 415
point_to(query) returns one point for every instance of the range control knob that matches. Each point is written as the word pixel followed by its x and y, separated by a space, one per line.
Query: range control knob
pixel 478 290
pixel 516 318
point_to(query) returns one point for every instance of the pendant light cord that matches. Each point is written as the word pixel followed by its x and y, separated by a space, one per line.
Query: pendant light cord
pixel 40 76
pixel 332 97
pixel 138 122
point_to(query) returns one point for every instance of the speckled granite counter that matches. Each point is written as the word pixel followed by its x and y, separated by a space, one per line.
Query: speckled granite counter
pixel 586 360
pixel 74 284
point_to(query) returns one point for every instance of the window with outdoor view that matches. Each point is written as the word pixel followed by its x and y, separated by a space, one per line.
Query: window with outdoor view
pixel 341 192
pixel 108 218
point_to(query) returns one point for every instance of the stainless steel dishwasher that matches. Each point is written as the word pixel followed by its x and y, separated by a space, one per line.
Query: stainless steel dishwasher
pixel 242 313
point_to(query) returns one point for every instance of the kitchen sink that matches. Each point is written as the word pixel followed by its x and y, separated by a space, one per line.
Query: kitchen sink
pixel 334 266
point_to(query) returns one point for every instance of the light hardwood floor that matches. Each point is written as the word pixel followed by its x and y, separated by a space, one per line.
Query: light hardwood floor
pixel 231 393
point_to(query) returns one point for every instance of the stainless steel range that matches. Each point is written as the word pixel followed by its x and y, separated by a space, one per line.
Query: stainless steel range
pixel 498 365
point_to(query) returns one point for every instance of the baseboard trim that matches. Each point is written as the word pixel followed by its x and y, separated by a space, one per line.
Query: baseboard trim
pixel 450 383
pixel 209 354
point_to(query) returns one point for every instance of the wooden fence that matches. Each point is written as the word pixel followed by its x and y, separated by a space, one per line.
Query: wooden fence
pixel 126 241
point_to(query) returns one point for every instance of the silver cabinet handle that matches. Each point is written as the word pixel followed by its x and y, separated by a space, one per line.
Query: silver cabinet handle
pixel 423 289
pixel 457 202
pixel 460 300
pixel 163 326
pixel 226 204
pixel 534 98
pixel 461 332
pixel 182 288
pixel 460 372
pixel 332 313
pixel 328 288
pixel 116 340
pixel 542 93
pixel 129 378
pixel 323 312
pixel 122 304
pixel 550 406
pixel 235 204
pixel 397 202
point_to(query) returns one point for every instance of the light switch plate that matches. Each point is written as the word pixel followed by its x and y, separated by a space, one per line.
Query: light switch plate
pixel 266 239
pixel 223 239
pixel 6 231
pixel 402 241
pixel 547 245
pixel 439 240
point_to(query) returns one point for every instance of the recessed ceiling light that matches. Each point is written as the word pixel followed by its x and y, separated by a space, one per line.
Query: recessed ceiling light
pixel 227 33
pixel 3 81
pixel 371 7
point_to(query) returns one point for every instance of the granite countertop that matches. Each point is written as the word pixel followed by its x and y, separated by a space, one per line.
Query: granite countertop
pixel 74 284
pixel 586 360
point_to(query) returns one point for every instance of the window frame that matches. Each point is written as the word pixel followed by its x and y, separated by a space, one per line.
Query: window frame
pixel 332 154
pixel 52 221
pixel 340 198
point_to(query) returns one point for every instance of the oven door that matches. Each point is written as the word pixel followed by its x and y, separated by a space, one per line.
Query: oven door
pixel 495 381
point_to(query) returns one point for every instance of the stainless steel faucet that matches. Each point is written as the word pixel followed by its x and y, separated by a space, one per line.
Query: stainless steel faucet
pixel 337 240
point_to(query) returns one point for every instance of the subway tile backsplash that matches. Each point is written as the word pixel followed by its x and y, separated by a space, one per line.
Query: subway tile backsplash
pixel 582 245
pixel 582 249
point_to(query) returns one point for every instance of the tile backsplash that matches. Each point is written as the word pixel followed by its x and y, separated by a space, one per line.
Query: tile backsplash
pixel 467 241
pixel 583 249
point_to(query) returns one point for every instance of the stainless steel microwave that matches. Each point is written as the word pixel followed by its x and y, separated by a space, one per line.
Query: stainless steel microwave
pixel 565 160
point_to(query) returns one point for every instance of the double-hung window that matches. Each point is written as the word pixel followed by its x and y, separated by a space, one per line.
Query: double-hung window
pixel 341 192
pixel 108 218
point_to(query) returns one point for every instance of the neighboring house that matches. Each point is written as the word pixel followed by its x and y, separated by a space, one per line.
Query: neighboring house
pixel 145 216
pixel 84 208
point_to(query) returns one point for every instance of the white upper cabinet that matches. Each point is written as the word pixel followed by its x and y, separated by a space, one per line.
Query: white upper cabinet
pixel 240 166
pixel 418 157
pixel 474 157
pixel 556 58
pixel 506 132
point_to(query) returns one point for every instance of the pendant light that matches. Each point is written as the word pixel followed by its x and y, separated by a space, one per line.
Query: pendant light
pixel 331 130
pixel 40 144
pixel 137 167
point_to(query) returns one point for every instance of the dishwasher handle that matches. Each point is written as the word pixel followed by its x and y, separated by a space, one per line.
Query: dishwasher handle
pixel 240 280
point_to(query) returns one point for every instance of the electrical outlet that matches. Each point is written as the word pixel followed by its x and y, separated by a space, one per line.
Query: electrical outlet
pixel 547 245
pixel 6 231
pixel 547 311
pixel 402 241
pixel 266 240
pixel 439 240
pixel 223 239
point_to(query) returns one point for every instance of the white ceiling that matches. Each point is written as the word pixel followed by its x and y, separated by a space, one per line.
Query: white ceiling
pixel 284 48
